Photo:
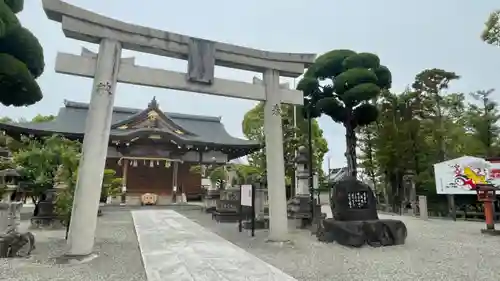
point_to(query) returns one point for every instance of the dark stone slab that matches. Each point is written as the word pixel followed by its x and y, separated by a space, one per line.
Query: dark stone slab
pixel 259 224
pixel 353 200
pixel 225 216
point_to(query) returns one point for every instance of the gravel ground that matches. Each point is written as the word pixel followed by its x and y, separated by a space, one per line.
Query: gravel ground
pixel 435 250
pixel 116 243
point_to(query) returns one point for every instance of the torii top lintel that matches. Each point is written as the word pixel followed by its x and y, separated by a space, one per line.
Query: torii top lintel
pixel 81 24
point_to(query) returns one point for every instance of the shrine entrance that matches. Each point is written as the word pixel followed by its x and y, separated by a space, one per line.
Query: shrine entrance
pixel 108 67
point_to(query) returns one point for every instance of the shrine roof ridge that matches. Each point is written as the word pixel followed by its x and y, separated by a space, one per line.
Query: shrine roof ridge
pixel 130 110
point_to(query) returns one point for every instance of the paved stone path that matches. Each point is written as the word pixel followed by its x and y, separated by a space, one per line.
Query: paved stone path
pixel 175 248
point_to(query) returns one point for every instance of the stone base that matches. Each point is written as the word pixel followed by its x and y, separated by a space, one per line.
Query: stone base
pixel 209 210
pixel 493 232
pixel 16 244
pixel 75 259
pixel 375 233
pixel 225 216
pixel 259 224
pixel 46 223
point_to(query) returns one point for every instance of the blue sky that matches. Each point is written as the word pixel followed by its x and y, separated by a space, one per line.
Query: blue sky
pixel 409 36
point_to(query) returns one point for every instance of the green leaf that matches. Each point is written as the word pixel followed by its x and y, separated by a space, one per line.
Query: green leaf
pixel 384 77
pixel 365 114
pixel 308 85
pixel 293 137
pixel 17 85
pixel 362 60
pixel 491 32
pixel 24 46
pixel 8 20
pixel 360 93
pixel 352 78
pixel 330 64
pixel 15 6
pixel 333 108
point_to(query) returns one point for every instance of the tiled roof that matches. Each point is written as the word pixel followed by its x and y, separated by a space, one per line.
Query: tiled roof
pixel 71 121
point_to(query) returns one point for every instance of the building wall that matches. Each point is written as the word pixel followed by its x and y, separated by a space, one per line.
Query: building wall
pixel 157 179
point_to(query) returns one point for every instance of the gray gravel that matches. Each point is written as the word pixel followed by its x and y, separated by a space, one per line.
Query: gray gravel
pixel 116 243
pixel 435 250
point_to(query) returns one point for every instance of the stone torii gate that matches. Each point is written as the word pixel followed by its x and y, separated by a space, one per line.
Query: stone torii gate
pixel 107 68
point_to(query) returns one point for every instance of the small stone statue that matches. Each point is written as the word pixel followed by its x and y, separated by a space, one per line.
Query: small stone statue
pixel 12 242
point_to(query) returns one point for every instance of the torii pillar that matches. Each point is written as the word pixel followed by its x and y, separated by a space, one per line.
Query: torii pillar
pixel 203 56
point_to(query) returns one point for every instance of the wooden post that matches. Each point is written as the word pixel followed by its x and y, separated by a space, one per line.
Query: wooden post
pixel 488 215
pixel 174 182
pixel 452 206
pixel 124 181
pixel 178 191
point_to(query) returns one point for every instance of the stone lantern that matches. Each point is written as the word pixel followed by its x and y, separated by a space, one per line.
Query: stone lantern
pixel 8 183
pixel 299 207
pixel 212 193
pixel 302 160
pixel 410 192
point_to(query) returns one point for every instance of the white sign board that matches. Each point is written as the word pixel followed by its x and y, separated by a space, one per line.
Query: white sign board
pixel 460 175
pixel 206 182
pixel 246 195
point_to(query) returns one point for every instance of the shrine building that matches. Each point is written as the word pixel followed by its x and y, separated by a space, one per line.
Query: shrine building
pixel 151 150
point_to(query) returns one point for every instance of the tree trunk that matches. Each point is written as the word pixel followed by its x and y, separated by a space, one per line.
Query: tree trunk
pixel 350 154
pixel 371 172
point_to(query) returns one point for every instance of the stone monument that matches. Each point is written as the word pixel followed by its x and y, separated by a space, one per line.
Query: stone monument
pixel 107 68
pixel 355 221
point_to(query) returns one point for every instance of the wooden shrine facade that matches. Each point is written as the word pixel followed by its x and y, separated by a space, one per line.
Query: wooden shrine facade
pixel 153 151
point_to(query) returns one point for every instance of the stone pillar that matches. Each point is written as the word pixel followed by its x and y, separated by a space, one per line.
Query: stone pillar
pixel 413 198
pixel 278 223
pixel 95 145
pixel 10 217
pixel 302 180
pixel 422 204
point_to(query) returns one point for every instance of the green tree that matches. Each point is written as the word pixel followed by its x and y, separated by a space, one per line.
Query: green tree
pixel 355 79
pixel 367 160
pixel 40 160
pixel 213 172
pixel 11 144
pixel 67 175
pixel 42 118
pixel 491 32
pixel 415 125
pixel 482 118
pixel 429 85
pixel 293 137
pixel 244 173
pixel 21 58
